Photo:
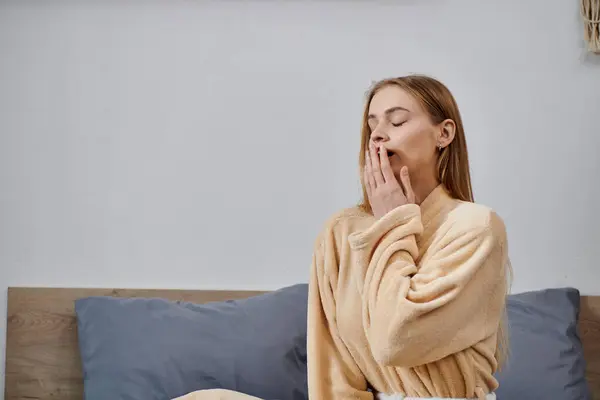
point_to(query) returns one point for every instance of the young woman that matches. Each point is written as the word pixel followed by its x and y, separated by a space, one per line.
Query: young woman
pixel 407 290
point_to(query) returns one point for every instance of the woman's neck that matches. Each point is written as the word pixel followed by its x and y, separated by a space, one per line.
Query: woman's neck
pixel 423 186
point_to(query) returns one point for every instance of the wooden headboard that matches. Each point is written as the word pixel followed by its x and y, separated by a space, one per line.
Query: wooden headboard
pixel 42 357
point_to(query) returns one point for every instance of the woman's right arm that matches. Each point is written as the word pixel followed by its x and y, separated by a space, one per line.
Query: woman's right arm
pixel 332 372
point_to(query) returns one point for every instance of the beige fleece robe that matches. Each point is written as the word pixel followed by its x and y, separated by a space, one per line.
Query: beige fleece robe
pixel 410 303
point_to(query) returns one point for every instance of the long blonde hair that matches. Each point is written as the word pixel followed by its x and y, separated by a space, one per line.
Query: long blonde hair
pixel 453 162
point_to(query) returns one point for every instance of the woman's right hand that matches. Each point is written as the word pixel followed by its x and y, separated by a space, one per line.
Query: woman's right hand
pixel 383 189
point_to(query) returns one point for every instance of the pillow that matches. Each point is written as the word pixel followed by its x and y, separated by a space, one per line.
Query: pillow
pixel 148 349
pixel 546 359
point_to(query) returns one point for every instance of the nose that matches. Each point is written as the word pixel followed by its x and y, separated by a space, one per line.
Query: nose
pixel 378 135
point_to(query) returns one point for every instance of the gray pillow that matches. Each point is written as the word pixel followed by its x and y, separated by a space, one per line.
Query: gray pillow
pixel 546 360
pixel 146 349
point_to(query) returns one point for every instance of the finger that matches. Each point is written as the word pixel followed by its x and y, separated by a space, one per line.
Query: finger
pixel 375 166
pixel 386 168
pixel 408 190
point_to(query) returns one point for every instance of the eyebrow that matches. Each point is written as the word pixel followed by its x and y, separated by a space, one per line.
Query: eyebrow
pixel 389 111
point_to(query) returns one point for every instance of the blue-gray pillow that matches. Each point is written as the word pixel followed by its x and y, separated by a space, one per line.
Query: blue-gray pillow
pixel 546 360
pixel 147 349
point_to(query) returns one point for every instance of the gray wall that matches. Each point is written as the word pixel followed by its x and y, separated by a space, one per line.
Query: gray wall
pixel 202 144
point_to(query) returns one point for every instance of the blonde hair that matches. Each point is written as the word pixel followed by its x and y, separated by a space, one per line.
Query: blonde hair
pixel 453 162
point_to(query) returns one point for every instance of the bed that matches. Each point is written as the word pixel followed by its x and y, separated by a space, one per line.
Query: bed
pixel 42 354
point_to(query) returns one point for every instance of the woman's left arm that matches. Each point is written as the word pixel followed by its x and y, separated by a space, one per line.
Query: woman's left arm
pixel 417 315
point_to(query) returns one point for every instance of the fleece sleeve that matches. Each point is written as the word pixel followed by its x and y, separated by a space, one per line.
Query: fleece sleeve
pixel 332 371
pixel 418 314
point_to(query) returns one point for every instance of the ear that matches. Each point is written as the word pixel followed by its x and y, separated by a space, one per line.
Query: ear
pixel 446 133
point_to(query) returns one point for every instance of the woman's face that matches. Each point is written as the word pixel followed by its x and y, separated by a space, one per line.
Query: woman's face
pixel 399 125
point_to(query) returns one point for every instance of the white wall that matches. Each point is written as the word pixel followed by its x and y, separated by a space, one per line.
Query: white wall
pixel 202 144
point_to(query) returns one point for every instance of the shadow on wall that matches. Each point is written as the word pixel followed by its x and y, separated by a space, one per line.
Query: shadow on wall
pixel 590 59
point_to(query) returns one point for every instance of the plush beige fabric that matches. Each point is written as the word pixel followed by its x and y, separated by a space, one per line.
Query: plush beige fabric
pixel 410 303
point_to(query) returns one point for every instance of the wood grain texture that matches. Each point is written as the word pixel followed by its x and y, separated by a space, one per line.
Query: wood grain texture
pixel 589 329
pixel 42 358
pixel 42 355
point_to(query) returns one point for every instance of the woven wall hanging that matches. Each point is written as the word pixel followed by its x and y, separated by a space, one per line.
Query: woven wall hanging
pixel 590 12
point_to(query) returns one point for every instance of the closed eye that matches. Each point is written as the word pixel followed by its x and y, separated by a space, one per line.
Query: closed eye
pixel 400 124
